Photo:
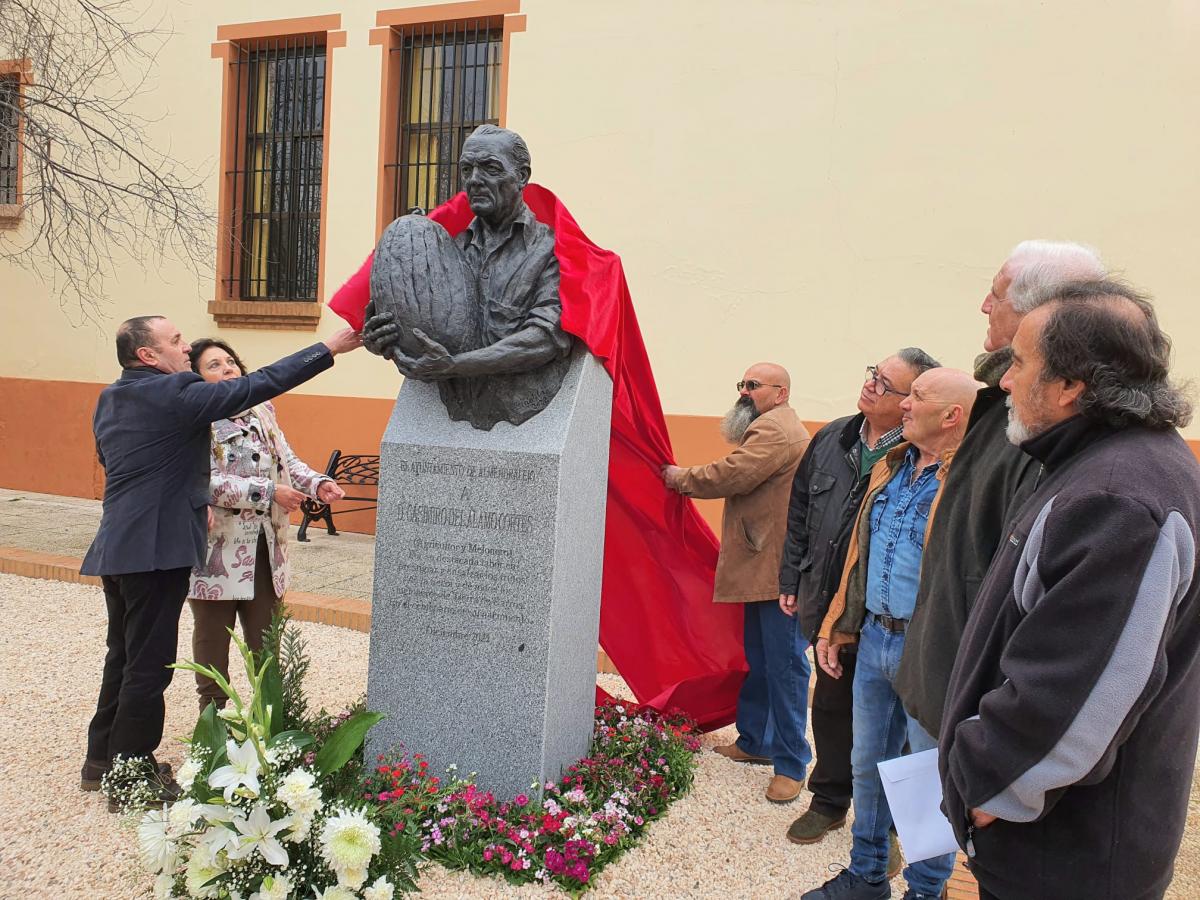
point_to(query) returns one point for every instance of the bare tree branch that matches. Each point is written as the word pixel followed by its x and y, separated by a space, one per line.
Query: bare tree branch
pixel 94 186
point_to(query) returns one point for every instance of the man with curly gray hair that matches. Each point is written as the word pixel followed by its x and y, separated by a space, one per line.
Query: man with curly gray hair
pixel 1071 722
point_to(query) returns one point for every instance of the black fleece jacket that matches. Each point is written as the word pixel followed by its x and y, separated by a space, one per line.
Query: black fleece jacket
pixel 1074 706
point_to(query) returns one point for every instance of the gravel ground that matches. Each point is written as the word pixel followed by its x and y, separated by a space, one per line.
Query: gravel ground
pixel 723 839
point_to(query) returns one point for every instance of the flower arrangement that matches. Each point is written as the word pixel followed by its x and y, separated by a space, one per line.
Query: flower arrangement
pixel 276 803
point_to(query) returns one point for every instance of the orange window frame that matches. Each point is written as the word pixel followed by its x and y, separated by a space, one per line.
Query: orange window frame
pixel 257 313
pixel 21 70
pixel 501 14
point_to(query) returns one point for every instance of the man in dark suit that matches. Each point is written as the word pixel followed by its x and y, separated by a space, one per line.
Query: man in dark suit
pixel 152 437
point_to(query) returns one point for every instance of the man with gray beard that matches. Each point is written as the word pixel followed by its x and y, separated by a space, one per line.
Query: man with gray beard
pixel 755 480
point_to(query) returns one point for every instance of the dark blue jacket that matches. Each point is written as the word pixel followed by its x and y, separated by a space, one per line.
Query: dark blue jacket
pixel 152 437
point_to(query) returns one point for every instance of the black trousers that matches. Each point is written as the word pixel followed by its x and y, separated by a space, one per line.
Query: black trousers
pixel 831 780
pixel 984 895
pixel 143 631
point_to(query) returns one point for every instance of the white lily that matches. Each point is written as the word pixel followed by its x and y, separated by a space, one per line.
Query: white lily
pixel 257 832
pixel 219 838
pixel 242 771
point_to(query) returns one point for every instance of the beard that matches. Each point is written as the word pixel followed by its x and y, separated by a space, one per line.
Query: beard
pixel 1019 430
pixel 738 419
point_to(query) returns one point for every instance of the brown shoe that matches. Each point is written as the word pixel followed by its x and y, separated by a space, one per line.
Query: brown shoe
pixel 783 789
pixel 812 826
pixel 895 860
pixel 737 754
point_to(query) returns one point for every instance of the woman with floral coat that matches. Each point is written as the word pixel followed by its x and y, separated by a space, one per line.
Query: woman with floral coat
pixel 256 482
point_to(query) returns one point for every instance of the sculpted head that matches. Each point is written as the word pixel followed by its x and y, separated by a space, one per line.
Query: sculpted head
pixel 493 170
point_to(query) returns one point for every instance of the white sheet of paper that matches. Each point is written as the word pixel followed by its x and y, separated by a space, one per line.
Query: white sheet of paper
pixel 914 793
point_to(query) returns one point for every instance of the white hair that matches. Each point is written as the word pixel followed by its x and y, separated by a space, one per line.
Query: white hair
pixel 1039 268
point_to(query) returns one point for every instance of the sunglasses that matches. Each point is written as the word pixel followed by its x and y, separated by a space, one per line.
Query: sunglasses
pixel 753 385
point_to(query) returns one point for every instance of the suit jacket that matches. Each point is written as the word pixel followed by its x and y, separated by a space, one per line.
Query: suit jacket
pixel 756 482
pixel 152 437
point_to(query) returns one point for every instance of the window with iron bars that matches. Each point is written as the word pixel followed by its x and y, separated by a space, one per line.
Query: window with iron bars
pixel 10 110
pixel 279 123
pixel 449 86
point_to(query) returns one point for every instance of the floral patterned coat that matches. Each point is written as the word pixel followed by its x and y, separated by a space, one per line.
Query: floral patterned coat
pixel 249 457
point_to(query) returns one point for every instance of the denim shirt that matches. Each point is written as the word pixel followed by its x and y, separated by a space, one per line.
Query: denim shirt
pixel 899 515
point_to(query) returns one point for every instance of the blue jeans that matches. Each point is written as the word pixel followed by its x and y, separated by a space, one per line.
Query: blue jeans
pixel 880 729
pixel 772 707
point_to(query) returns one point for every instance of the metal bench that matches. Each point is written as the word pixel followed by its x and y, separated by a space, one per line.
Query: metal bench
pixel 350 471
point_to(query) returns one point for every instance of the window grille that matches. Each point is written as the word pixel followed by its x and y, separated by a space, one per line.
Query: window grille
pixel 10 95
pixel 279 126
pixel 449 85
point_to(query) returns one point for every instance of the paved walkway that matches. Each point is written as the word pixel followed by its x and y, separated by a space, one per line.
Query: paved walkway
pixel 340 565
pixel 46 536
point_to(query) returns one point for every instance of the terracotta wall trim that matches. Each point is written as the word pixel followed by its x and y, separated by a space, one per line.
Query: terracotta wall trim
pixel 446 12
pixel 279 28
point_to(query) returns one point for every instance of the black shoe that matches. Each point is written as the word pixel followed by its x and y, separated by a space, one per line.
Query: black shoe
pixel 911 894
pixel 93 772
pixel 848 886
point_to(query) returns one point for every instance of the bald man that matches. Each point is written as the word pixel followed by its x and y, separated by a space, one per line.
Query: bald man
pixel 755 480
pixel 872 607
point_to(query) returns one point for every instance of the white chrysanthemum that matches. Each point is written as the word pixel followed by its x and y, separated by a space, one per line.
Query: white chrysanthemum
pixel 158 850
pixel 257 832
pixel 164 887
pixel 382 889
pixel 298 791
pixel 274 887
pixel 241 775
pixel 337 892
pixel 186 776
pixel 181 814
pixel 300 825
pixel 352 878
pixel 202 867
pixel 348 841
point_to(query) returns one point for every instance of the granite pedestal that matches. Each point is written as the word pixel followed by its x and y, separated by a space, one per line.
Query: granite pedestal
pixel 488 559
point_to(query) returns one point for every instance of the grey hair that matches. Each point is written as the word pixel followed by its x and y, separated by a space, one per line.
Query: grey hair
pixel 1106 335
pixel 1039 268
pixel 516 144
pixel 917 360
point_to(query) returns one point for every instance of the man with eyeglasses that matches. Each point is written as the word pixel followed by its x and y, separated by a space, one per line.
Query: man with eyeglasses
pixel 755 479
pixel 826 492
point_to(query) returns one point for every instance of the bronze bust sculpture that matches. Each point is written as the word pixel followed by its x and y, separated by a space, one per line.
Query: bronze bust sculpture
pixel 479 314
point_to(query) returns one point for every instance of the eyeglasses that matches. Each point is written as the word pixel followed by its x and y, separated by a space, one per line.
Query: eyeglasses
pixel 879 385
pixel 753 385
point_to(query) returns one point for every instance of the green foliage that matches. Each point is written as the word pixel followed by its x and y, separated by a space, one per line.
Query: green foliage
pixel 284 642
pixel 344 741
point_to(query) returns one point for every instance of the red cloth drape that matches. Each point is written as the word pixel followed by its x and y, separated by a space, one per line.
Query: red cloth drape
pixel 673 646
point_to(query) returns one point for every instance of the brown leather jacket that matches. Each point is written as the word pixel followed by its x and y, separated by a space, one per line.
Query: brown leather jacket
pixel 756 482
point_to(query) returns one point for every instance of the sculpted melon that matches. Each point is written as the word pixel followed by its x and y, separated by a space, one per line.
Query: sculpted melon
pixel 420 277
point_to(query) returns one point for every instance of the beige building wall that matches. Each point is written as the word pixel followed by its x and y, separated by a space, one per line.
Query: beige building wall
pixel 815 183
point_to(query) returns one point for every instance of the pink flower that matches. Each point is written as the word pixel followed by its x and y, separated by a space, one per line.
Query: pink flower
pixel 521 800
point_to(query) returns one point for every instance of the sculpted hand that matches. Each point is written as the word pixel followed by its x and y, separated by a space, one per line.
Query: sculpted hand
pixel 827 657
pixel 435 361
pixel 380 332
pixel 329 491
pixel 980 819
pixel 343 341
pixel 787 604
pixel 287 497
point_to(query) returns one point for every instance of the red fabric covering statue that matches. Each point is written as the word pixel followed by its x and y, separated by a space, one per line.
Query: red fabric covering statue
pixel 673 646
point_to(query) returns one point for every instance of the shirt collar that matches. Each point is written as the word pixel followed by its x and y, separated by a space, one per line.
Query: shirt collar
pixel 889 439
pixel 523 220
